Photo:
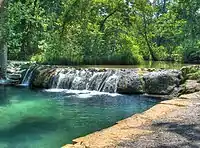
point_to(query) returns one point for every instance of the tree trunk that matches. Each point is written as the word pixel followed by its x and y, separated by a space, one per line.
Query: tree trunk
pixel 3 59
pixel 3 47
pixel 153 56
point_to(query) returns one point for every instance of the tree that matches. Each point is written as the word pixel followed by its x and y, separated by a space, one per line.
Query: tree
pixel 189 10
pixel 3 47
pixel 100 31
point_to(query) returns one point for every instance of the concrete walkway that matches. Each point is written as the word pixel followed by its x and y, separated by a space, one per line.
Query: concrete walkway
pixel 178 129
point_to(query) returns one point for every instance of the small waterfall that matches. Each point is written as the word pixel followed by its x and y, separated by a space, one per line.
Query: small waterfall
pixel 86 79
pixel 98 80
pixel 55 78
pixel 27 77
pixel 81 79
pixel 60 80
pixel 111 84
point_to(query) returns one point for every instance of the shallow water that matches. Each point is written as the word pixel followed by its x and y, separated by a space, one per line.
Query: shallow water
pixel 52 118
pixel 145 64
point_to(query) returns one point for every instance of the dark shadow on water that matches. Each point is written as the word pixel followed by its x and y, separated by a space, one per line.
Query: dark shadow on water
pixel 3 95
pixel 27 126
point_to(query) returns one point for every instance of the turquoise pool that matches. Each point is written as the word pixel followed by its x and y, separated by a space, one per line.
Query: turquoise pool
pixel 53 118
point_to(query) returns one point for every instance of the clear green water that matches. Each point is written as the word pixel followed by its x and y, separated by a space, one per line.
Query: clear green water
pixel 38 119
pixel 145 64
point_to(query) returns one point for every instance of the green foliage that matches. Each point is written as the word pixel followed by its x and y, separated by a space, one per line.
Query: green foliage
pixel 195 76
pixel 191 72
pixel 25 19
pixel 103 32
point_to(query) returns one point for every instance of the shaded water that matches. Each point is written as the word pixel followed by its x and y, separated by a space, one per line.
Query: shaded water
pixel 52 118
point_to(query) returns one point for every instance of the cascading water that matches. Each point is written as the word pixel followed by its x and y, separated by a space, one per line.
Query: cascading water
pixel 27 77
pixel 111 83
pixel 105 81
pixel 123 81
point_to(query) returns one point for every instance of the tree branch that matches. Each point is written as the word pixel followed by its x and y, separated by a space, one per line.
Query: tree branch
pixel 102 23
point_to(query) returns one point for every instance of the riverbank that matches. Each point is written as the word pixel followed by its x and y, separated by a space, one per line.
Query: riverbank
pixel 171 123
pixel 180 128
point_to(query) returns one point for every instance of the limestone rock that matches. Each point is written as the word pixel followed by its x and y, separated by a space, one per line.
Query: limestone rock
pixel 162 82
pixel 191 86
pixel 195 96
pixel 14 76
pixel 126 81
pixel 42 77
pixel 191 72
pixel 130 83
